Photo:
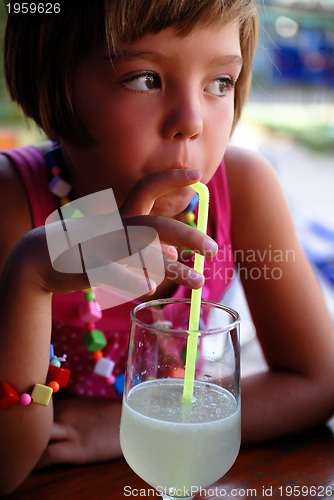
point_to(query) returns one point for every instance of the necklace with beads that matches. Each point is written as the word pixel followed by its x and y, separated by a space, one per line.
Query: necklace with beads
pixel 94 339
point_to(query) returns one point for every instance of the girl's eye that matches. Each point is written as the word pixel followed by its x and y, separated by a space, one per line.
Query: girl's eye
pixel 143 82
pixel 220 86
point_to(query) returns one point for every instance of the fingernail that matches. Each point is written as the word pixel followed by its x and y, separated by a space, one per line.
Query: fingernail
pixel 172 252
pixel 152 286
pixel 195 277
pixel 211 247
pixel 193 174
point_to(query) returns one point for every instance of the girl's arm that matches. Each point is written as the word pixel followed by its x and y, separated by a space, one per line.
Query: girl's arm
pixel 25 324
pixel 286 303
pixel 24 337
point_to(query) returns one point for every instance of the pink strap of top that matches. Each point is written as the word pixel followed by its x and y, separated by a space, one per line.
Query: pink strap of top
pixel 30 164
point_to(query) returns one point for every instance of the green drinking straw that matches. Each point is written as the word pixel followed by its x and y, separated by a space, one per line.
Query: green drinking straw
pixel 196 296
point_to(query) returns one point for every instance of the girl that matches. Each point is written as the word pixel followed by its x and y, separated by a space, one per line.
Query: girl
pixel 142 97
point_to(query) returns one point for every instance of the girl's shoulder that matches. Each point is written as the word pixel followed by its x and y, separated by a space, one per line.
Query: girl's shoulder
pixel 14 207
pixel 13 198
pixel 9 176
pixel 256 197
pixel 250 176
pixel 245 167
pixel 11 184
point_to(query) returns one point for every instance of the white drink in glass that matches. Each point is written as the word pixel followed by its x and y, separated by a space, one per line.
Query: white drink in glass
pixel 171 450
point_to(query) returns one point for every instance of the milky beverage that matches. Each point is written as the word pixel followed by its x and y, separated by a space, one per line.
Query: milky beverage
pixel 170 446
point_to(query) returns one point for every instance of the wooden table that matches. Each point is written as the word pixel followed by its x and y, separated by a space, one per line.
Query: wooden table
pixel 302 464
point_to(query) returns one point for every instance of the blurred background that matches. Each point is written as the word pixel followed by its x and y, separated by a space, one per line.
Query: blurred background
pixel 293 75
pixel 289 118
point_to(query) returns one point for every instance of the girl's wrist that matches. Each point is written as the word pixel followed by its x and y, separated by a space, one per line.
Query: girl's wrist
pixel 57 377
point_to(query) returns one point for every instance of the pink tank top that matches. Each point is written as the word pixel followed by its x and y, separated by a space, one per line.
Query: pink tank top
pixel 68 328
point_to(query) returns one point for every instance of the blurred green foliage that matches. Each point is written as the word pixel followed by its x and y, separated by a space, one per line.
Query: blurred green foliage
pixel 311 125
pixel 9 112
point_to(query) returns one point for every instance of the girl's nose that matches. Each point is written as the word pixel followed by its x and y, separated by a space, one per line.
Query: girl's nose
pixel 184 120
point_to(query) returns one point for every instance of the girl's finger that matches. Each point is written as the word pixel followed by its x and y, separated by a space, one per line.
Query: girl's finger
pixel 177 234
pixel 58 432
pixel 61 452
pixel 183 275
pixel 170 251
pixel 153 186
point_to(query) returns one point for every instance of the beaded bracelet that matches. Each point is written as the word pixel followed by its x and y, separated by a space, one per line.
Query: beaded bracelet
pixel 41 394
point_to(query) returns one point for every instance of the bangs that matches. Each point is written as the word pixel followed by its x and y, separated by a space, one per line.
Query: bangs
pixel 129 20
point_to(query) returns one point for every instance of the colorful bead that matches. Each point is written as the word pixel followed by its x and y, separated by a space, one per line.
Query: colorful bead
pixel 89 313
pixel 54 386
pixel 59 187
pixel 193 203
pixel 8 396
pixel 52 352
pixel 64 201
pixel 104 367
pixel 55 362
pixel 119 384
pixel 89 295
pixel 177 372
pixel 94 340
pixel 41 394
pixel 111 380
pixel 60 375
pixel 25 399
pixel 189 217
pixel 56 170
pixel 97 355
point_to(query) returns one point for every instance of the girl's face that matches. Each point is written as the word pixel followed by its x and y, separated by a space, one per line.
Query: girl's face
pixel 166 102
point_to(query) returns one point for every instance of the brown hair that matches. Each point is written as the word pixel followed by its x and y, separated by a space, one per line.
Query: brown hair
pixel 43 51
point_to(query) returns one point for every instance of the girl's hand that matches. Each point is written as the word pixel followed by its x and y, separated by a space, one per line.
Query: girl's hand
pixel 174 235
pixel 79 432
pixel 32 251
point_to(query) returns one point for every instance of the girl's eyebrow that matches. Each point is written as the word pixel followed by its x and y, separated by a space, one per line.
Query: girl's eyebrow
pixel 129 55
pixel 236 60
pixel 226 60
